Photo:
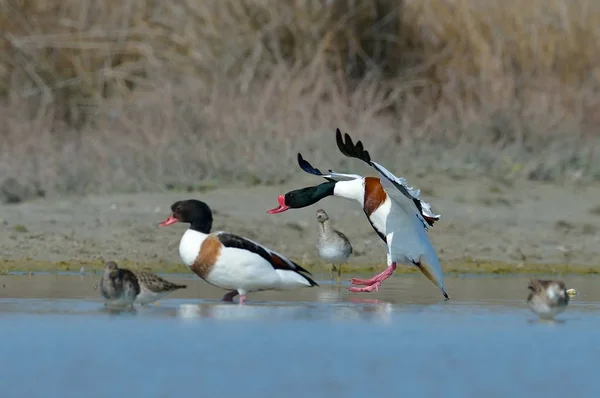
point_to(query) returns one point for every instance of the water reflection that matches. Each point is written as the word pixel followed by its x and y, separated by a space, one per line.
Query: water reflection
pixel 130 311
pixel 275 311
pixel 546 321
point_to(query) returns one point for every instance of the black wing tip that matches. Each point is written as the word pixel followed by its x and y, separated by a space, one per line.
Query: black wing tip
pixel 307 167
pixel 351 150
pixel 445 295
pixel 340 142
pixel 310 280
pixel 310 169
pixel 300 159
pixel 302 271
pixel 299 268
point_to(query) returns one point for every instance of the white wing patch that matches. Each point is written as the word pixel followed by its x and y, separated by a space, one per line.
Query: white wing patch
pixel 341 177
pixel 394 186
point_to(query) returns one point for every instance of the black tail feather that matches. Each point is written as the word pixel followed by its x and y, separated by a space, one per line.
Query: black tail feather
pixel 304 273
pixel 310 280
pixel 299 268
pixel 351 150
pixel 307 167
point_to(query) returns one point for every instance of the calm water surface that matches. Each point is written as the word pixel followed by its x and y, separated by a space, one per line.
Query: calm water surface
pixel 57 340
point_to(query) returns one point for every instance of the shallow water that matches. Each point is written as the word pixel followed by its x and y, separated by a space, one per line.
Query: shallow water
pixel 58 340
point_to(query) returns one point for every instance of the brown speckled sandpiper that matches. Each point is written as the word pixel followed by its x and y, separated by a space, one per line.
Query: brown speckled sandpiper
pixel 153 287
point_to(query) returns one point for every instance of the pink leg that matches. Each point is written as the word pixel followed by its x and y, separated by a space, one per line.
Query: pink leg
pixel 374 283
pixel 242 299
pixel 229 296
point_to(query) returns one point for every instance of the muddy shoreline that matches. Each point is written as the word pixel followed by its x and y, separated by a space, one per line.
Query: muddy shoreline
pixel 487 226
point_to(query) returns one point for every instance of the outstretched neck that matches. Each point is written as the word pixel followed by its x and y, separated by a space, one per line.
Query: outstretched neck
pixel 310 195
pixel 353 190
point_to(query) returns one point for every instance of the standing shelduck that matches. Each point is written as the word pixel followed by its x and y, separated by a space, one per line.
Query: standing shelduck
pixel 394 210
pixel 332 245
pixel 229 261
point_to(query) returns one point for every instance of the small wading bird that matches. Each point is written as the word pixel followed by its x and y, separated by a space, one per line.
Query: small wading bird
pixel 123 287
pixel 229 261
pixel 547 298
pixel 394 210
pixel 332 245
pixel 153 287
pixel 118 286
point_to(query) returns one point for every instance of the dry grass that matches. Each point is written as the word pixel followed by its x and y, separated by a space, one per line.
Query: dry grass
pixel 140 95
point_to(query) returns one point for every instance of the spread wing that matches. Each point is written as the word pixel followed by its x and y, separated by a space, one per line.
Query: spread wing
pixel 397 188
pixel 277 260
pixel 331 176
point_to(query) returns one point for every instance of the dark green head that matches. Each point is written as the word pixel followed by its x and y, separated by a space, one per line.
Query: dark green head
pixel 303 197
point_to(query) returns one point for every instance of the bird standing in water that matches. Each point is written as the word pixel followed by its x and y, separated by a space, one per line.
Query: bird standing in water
pixel 332 245
pixel 547 298
pixel 119 286
pixel 153 287
pixel 230 261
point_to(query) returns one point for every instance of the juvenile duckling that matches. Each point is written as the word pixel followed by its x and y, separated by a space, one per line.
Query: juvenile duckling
pixel 118 286
pixel 547 298
pixel 332 245
pixel 153 287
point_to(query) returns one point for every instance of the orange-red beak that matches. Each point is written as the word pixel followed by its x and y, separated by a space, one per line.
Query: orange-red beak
pixel 281 208
pixel 169 221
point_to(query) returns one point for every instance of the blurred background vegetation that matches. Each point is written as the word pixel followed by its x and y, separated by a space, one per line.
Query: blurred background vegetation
pixel 128 95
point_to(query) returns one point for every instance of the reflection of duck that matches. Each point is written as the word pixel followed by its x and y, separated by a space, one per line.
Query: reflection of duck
pixel 547 298
pixel 215 311
pixel 332 245
pixel 380 311
pixel 118 286
pixel 229 261
pixel 394 210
